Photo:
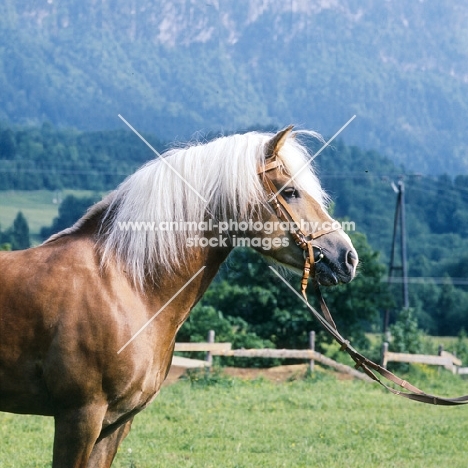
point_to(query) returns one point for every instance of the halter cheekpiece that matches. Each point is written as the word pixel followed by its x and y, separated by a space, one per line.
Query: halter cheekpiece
pixel 303 240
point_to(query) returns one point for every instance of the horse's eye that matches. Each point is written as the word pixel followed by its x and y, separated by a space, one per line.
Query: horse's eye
pixel 290 192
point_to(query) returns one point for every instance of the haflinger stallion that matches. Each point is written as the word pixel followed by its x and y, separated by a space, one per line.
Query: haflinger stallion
pixel 88 319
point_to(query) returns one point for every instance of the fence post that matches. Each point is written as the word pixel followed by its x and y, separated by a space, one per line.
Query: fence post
pixel 441 348
pixel 384 354
pixel 209 356
pixel 312 347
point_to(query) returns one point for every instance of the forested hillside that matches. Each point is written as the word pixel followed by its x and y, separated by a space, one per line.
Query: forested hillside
pixel 176 68
pixel 46 158
pixel 436 223
pixel 358 181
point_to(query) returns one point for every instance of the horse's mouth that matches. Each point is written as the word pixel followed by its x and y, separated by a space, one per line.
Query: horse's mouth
pixel 327 274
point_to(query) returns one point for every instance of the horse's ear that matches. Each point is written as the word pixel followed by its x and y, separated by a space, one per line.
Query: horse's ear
pixel 275 144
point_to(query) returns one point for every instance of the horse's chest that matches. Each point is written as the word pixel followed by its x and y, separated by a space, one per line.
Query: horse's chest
pixel 138 387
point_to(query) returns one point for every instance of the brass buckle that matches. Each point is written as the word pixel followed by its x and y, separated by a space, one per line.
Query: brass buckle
pixel 320 253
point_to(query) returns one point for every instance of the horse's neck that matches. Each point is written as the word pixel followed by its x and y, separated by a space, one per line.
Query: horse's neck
pixel 194 275
pixel 191 278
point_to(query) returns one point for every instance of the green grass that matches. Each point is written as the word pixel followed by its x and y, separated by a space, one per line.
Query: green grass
pixel 319 422
pixel 37 206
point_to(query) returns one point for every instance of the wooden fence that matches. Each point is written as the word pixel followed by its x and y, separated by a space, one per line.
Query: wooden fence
pixel 444 358
pixel 210 348
pixel 225 349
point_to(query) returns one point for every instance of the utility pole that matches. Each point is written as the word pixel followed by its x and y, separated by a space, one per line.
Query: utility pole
pixel 399 220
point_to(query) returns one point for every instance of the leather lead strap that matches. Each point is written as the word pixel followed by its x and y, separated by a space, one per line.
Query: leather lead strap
pixel 326 320
pixel 323 306
pixel 369 367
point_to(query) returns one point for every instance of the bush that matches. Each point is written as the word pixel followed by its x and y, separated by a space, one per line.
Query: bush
pixel 406 336
pixel 233 330
pixel 461 347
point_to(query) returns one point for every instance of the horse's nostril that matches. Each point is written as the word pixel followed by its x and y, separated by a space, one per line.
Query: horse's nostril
pixel 352 258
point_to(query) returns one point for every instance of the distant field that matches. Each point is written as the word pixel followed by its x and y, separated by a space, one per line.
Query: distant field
pixel 430 342
pixel 39 206
pixel 321 422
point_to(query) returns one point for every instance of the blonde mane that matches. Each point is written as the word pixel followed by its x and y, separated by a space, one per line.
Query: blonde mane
pixel 217 180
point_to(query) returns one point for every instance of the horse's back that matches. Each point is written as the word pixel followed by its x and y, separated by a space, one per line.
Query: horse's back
pixel 35 281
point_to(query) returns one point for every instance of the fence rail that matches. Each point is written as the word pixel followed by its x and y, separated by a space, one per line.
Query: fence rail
pixel 225 349
pixel 294 354
pixel 213 347
pixel 444 358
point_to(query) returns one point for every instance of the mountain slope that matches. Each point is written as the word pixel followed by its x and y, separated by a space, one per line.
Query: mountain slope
pixel 174 68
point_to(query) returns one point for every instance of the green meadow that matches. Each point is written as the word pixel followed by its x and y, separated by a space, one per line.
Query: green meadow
pixel 319 421
pixel 39 207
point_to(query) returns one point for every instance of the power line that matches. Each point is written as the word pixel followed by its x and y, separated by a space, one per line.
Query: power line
pixel 460 281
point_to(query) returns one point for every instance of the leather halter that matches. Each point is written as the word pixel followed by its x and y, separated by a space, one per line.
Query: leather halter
pixel 305 242
pixel 301 239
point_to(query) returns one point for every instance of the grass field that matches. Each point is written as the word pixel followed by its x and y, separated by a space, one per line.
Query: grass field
pixel 37 206
pixel 319 422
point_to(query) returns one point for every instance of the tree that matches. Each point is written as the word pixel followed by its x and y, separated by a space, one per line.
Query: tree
pixel 70 210
pixel 7 144
pixel 406 336
pixel 451 310
pixel 229 329
pixel 246 289
pixel 20 233
pixel 5 239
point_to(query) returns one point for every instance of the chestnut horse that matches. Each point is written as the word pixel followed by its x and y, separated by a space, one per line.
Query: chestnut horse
pixel 88 319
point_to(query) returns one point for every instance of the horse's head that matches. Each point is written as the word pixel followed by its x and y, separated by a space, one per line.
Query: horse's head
pixel 295 218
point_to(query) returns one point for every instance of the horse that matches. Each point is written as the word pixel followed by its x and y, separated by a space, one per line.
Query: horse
pixel 88 319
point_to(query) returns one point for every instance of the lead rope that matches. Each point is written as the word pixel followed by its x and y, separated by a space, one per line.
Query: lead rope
pixel 327 322
pixel 367 366
pixel 309 271
pixel 412 392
